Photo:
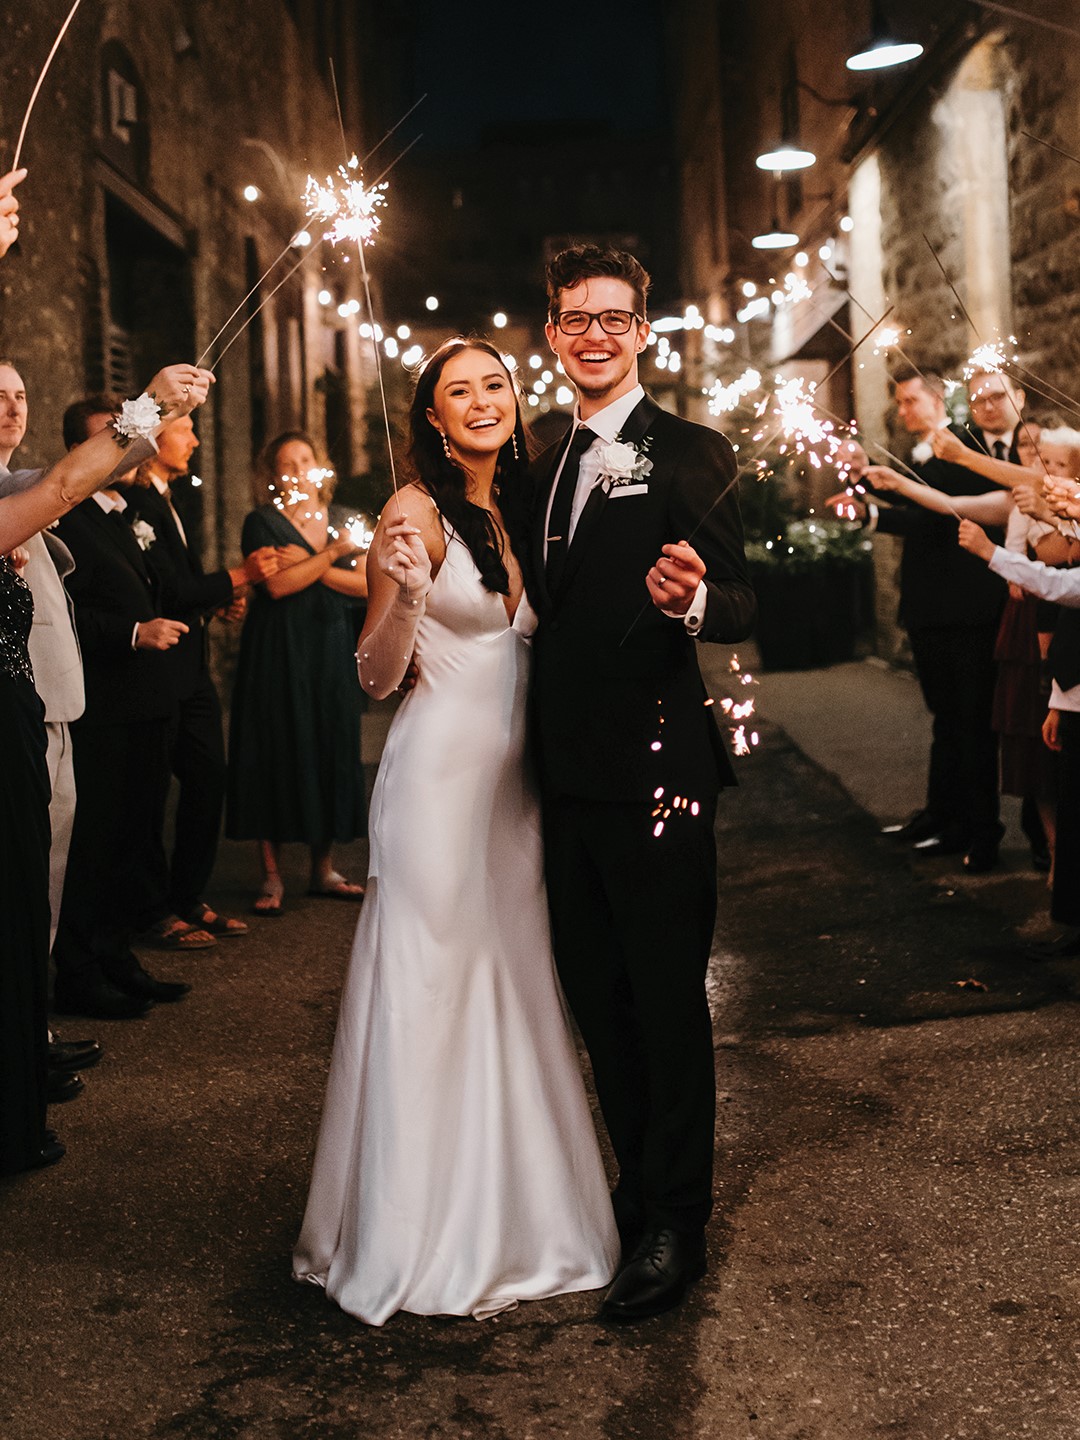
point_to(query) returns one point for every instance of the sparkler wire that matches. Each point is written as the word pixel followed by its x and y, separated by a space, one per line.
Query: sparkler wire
pixel 367 295
pixel 41 81
pixel 288 276
pixel 247 297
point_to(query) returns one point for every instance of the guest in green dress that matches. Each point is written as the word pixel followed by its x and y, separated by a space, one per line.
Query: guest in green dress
pixel 294 739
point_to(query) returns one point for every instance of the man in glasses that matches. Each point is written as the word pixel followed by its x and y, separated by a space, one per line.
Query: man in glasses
pixel 637 553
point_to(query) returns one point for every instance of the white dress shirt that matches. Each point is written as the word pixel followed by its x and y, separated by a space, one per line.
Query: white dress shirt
pixel 1060 585
pixel 606 425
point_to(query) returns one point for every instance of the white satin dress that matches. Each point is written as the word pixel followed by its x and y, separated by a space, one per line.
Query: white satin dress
pixel 457 1169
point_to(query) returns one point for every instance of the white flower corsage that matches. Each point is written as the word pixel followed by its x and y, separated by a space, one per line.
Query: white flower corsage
pixel 922 452
pixel 624 464
pixel 143 533
pixel 138 419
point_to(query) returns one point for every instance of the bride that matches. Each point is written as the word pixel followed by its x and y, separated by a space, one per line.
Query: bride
pixel 457 1169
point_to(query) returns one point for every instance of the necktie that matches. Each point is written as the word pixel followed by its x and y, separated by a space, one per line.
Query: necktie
pixel 999 450
pixel 167 497
pixel 558 540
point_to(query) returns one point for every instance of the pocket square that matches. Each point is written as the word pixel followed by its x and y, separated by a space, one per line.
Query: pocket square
pixel 619 490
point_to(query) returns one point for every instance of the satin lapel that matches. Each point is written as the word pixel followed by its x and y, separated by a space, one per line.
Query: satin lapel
pixel 131 554
pixel 539 532
pixel 635 428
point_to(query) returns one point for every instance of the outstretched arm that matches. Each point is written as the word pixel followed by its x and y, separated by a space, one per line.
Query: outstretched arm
pixel 989 509
pixel 1061 586
pixel 177 389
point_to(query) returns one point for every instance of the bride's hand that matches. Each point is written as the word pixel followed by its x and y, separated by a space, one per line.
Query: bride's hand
pixel 402 556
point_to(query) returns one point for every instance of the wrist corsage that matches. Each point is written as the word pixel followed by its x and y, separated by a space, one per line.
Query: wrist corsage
pixel 137 420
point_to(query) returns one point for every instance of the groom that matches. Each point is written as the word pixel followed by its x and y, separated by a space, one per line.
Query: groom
pixel 637 554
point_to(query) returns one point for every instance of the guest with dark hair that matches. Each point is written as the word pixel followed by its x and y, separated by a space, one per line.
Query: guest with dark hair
pixel 295 773
pixel 180 918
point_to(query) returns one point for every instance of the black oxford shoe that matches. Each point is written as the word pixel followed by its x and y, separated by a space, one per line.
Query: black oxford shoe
pixel 1062 948
pixel 663 1267
pixel 73 1054
pixel 920 827
pixel 101 1001
pixel 62 1085
pixel 141 985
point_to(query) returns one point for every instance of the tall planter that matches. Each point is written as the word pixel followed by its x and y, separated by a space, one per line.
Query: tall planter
pixel 814 590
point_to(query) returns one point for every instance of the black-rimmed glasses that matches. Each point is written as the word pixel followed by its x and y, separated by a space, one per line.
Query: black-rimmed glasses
pixel 612 322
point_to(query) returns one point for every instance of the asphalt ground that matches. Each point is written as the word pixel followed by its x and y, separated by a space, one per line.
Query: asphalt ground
pixel 894 1250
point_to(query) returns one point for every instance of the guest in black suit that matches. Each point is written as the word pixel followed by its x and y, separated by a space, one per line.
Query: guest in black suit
pixel 997 406
pixel 181 919
pixel 121 765
pixel 628 572
pixel 950 606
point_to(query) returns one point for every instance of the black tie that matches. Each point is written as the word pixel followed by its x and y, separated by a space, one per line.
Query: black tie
pixel 558 539
pixel 999 450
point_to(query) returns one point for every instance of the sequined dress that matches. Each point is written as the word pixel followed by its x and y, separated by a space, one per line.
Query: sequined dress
pixel 24 886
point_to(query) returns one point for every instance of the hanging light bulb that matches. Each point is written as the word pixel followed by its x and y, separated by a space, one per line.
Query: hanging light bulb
pixel 883 49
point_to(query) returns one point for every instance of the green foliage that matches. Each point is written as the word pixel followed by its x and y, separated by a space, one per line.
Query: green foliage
pixel 809 545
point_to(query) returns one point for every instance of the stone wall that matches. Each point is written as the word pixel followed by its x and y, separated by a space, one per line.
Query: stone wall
pixel 231 95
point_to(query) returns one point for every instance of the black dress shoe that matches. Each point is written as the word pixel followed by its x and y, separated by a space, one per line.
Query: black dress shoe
pixel 73 1054
pixel 920 827
pixel 141 985
pixel 981 859
pixel 62 1085
pixel 101 1000
pixel 1064 946
pixel 943 844
pixel 51 1151
pixel 663 1267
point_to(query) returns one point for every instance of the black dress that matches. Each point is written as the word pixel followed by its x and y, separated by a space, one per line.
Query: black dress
pixel 294 738
pixel 24 887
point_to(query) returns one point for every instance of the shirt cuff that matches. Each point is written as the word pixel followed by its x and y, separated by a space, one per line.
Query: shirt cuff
pixel 694 618
pixel 135 636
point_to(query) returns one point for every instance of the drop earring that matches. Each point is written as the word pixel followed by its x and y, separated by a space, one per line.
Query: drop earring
pixel 446 448
pixel 513 441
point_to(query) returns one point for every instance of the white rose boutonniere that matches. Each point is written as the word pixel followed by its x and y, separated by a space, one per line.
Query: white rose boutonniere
pixel 143 533
pixel 624 464
pixel 137 419
pixel 922 452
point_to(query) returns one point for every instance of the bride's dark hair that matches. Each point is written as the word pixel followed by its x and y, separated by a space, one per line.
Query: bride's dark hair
pixel 445 480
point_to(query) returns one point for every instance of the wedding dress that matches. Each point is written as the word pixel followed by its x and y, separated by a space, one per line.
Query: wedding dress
pixel 457 1169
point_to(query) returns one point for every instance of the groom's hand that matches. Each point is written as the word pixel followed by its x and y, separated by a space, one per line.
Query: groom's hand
pixel 673 581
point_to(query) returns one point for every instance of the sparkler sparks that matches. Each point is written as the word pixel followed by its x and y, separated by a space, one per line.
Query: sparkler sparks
pixel 990 359
pixel 724 398
pixel 346 205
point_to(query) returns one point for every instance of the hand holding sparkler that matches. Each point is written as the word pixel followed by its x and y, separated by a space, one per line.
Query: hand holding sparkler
pixel 1029 500
pixel 179 389
pixel 673 581
pixel 949 447
pixel 401 554
pixel 9 210
pixel 974 538
pixel 1063 498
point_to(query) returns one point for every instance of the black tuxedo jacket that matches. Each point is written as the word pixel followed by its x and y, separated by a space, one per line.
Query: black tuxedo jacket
pixel 613 676
pixel 187 593
pixel 112 589
pixel 940 584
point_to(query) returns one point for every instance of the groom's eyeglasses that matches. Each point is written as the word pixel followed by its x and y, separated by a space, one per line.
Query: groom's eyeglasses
pixel 612 322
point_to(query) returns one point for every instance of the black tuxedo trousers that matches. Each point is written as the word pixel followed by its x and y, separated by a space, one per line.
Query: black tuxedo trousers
pixel 632 925
pixel 121 778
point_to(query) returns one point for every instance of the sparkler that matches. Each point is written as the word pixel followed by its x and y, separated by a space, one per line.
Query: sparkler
pixel 348 203
pixel 724 398
pixel 41 81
